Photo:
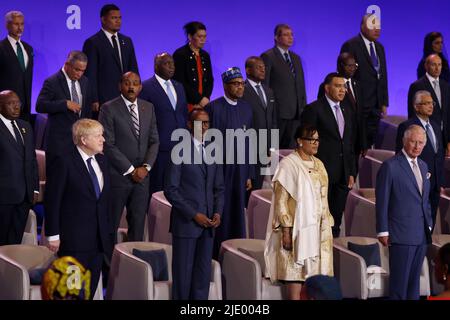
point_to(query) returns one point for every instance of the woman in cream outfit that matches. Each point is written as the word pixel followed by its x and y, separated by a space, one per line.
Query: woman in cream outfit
pixel 299 241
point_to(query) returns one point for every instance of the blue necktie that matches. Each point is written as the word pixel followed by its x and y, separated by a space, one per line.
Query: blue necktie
pixel 93 178
pixel 170 95
pixel 373 56
pixel 431 136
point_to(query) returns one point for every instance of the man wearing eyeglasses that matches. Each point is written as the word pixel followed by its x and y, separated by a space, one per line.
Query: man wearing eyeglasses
pixel 332 117
pixel 434 150
pixel 440 93
pixel 231 112
pixel 19 182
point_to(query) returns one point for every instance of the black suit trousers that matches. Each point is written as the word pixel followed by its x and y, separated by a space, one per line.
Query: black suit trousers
pixel 337 197
pixel 13 220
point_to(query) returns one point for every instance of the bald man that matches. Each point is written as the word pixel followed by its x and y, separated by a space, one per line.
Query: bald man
pixel 169 100
pixel 131 147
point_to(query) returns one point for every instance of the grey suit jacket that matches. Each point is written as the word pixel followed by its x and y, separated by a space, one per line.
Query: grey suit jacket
pixel 289 90
pixel 123 147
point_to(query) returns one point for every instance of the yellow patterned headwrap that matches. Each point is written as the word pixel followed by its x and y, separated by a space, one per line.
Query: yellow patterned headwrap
pixel 66 279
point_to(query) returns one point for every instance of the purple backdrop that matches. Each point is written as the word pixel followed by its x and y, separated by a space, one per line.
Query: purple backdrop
pixel 238 29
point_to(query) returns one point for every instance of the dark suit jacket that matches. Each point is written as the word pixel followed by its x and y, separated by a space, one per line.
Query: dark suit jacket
pixel 374 88
pixel 434 161
pixel 53 100
pixel 440 114
pixel 193 188
pixel 289 90
pixel 336 153
pixel 122 147
pixel 13 78
pixel 360 139
pixel 400 208
pixel 186 73
pixel 167 119
pixel 72 209
pixel 103 69
pixel 18 166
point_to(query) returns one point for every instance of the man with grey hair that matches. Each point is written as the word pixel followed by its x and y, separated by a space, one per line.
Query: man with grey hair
pixel 65 97
pixel 434 151
pixel 403 214
pixel 16 62
pixel 371 74
pixel 440 93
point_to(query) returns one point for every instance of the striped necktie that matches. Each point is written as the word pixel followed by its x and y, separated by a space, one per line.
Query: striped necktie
pixel 134 118
pixel 289 62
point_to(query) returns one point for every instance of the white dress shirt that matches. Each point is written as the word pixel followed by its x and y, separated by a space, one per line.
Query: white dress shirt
pixel 9 125
pixel 254 84
pixel 367 42
pixel 109 36
pixel 162 82
pixel 98 173
pixel 333 109
pixel 14 45
pixel 77 87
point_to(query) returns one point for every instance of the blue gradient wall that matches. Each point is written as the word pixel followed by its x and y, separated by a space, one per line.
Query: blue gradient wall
pixel 238 29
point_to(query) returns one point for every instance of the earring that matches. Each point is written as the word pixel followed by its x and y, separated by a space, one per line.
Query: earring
pixel 444 277
pixel 300 145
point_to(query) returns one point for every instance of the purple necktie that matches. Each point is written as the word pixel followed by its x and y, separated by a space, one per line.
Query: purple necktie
pixel 340 120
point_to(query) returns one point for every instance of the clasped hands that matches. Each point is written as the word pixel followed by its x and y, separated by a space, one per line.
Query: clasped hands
pixel 205 222
pixel 138 175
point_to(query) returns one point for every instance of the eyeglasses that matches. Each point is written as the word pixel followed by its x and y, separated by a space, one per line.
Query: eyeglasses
pixel 237 83
pixel 311 140
pixel 427 103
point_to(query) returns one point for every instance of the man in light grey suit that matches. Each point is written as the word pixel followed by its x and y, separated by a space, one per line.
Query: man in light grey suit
pixel 284 75
pixel 132 143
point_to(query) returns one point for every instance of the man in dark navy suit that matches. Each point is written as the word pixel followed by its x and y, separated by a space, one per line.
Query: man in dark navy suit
pixel 19 182
pixel 16 62
pixel 111 54
pixel 404 215
pixel 196 191
pixel 434 151
pixel 65 97
pixel 169 99
pixel 77 220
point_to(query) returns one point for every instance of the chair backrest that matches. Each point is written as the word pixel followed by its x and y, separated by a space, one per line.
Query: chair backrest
pixel 30 233
pixel 159 219
pixel 40 157
pixel 387 132
pixel 380 154
pixel 368 169
pixel 40 127
pixel 360 216
pixel 258 210
pixel 444 212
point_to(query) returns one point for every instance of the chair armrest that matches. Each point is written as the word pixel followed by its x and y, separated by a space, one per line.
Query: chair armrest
pixel 14 280
pixel 350 270
pixel 242 275
pixel 130 278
